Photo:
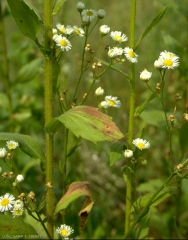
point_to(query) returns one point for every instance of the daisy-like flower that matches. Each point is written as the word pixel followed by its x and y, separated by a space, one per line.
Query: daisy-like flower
pixel 158 64
pixel 88 15
pixel 19 178
pixel 101 13
pixel 61 28
pixel 113 102
pixel 80 6
pixel 64 230
pixel 18 204
pixel 169 60
pixel 99 91
pixel 16 212
pixel 145 75
pixel 128 153
pixel 63 43
pixel 104 30
pixel 3 152
pixel 141 144
pixel 104 105
pixel 12 145
pixel 69 30
pixel 79 31
pixel 130 55
pixel 6 202
pixel 115 52
pixel 118 36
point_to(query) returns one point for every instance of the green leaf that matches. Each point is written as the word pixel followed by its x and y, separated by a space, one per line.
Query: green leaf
pixel 26 143
pixel 26 18
pixel 150 26
pixel 87 122
pixel 57 7
pixel 141 108
pixel 10 226
pixel 143 229
pixel 154 118
pixel 75 190
pixel 143 200
pixel 116 150
pixel 29 71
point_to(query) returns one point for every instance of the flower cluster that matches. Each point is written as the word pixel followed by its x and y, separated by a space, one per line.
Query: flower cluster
pixel 110 102
pixel 166 60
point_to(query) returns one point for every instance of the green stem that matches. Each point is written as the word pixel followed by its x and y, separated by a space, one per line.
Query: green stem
pixel 129 174
pixel 48 60
pixel 6 75
pixel 144 210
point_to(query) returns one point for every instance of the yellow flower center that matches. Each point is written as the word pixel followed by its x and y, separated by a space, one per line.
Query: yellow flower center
pixel 111 102
pixel 64 232
pixel 5 202
pixel 141 145
pixel 89 13
pixel 63 43
pixel 11 146
pixel 118 38
pixel 131 54
pixel 168 62
pixel 63 30
pixel 77 31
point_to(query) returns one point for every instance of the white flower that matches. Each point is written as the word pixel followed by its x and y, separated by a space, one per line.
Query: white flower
pixel 69 30
pixel 99 91
pixel 3 152
pixel 104 30
pixel 101 13
pixel 141 144
pixel 128 153
pixel 113 102
pixel 158 64
pixel 19 178
pixel 55 36
pixel 54 30
pixel 79 31
pixel 145 75
pixel 88 15
pixel 12 145
pixel 130 55
pixel 118 36
pixel 63 43
pixel 169 60
pixel 104 104
pixel 16 212
pixel 64 230
pixel 115 52
pixel 18 204
pixel 61 28
pixel 80 6
pixel 6 202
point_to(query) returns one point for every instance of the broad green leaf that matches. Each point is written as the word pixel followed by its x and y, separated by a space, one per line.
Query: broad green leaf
pixel 87 122
pixel 141 108
pixel 75 190
pixel 29 71
pixel 10 226
pixel 154 118
pixel 116 150
pixel 26 18
pixel 143 200
pixel 150 26
pixel 150 186
pixel 26 143
pixel 57 7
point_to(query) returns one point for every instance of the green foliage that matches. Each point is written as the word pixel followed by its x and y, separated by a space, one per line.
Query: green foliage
pixel 58 6
pixel 11 226
pixel 116 150
pixel 86 122
pixel 26 18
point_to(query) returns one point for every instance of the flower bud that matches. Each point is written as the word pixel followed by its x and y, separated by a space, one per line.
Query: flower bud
pixel 80 6
pixel 101 14
pixel 158 64
pixel 128 153
pixel 145 75
pixel 99 91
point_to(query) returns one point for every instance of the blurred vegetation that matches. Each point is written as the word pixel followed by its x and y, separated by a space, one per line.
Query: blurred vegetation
pixel 91 162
